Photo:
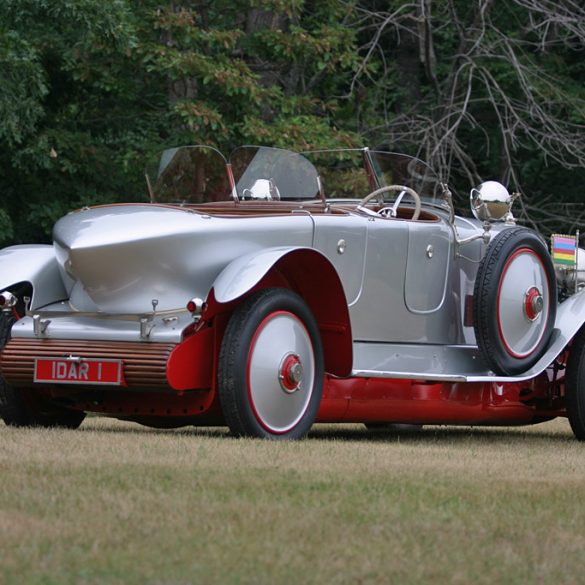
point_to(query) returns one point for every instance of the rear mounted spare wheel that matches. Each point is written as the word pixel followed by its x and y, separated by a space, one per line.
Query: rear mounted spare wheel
pixel 514 301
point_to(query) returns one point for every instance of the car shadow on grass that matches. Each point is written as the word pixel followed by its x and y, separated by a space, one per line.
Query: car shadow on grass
pixel 445 434
pixel 357 432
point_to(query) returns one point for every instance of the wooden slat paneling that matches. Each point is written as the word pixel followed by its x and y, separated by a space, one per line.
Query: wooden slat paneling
pixel 144 363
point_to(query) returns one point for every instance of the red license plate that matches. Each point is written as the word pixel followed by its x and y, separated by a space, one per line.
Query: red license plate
pixel 78 371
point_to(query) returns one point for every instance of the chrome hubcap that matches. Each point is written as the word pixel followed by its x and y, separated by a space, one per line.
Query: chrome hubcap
pixel 281 371
pixel 533 303
pixel 522 314
pixel 290 373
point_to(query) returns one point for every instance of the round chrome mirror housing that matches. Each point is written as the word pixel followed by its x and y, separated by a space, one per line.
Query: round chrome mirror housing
pixel 490 201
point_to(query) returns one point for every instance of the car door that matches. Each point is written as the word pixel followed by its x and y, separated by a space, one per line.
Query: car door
pixel 427 266
pixel 342 238
pixel 405 292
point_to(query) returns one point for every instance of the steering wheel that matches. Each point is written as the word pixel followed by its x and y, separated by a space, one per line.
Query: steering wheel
pixel 390 211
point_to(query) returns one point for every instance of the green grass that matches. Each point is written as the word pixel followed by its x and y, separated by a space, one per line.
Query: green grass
pixel 117 503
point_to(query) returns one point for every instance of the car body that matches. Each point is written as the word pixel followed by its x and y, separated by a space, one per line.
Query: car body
pixel 280 289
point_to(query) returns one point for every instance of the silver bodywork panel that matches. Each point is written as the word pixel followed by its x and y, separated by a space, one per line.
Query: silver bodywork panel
pixel 35 264
pixel 384 310
pixel 343 239
pixel 123 257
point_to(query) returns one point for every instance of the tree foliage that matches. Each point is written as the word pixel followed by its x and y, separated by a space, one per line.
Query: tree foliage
pixel 90 90
pixel 481 89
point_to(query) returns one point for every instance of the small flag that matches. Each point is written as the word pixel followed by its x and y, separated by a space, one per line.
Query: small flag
pixel 564 249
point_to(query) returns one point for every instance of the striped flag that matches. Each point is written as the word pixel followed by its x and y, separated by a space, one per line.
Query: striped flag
pixel 564 249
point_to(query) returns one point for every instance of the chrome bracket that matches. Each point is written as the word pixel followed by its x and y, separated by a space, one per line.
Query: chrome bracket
pixel 146 327
pixel 40 325
pixel 147 323
pixel 486 235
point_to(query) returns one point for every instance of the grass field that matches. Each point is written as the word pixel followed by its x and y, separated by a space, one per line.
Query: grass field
pixel 118 503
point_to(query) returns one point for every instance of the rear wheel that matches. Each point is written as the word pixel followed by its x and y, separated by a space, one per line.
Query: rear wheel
pixel 22 407
pixel 270 376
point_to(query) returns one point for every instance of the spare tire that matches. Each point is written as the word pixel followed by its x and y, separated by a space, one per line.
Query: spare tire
pixel 514 301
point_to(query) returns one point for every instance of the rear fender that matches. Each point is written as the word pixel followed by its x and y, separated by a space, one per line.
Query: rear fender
pixel 305 271
pixel 36 265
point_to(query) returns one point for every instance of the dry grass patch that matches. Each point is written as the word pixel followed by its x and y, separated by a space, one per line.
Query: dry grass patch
pixel 118 503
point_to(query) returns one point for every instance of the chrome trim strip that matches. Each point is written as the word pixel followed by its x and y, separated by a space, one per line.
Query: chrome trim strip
pixel 407 376
pixel 103 315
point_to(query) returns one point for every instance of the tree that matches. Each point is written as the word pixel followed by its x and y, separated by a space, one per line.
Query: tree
pixel 89 90
pixel 57 152
pixel 480 89
pixel 99 87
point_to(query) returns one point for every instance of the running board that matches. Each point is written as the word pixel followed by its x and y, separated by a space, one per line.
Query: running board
pixel 441 363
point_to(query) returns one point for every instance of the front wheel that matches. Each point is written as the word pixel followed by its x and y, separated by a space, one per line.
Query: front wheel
pixel 270 374
pixel 575 386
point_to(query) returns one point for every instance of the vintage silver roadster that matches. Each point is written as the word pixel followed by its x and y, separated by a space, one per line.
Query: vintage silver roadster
pixel 281 289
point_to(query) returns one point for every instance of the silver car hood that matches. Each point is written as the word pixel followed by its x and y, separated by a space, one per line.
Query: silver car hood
pixel 119 258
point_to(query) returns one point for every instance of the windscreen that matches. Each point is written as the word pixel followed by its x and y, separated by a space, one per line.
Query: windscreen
pixel 273 174
pixel 392 168
pixel 189 174
pixel 342 172
pixel 354 173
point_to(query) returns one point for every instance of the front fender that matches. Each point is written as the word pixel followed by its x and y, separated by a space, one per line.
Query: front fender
pixel 37 265
pixel 570 318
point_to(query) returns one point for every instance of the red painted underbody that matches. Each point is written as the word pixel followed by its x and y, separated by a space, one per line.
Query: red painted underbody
pixel 191 397
pixel 349 400
pixel 415 401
